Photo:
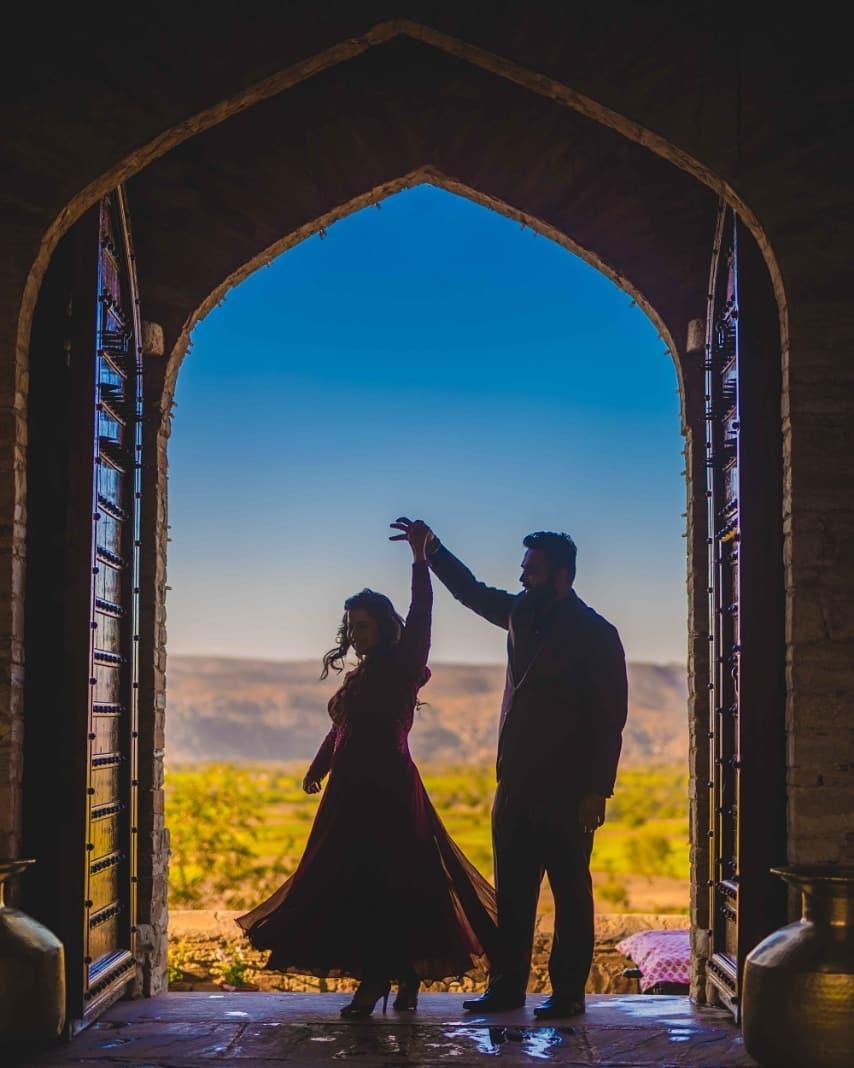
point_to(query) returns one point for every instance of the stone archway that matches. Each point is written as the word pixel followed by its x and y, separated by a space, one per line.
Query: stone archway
pixel 179 185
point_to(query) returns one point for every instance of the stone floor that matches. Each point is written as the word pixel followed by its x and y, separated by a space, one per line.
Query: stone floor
pixel 183 1029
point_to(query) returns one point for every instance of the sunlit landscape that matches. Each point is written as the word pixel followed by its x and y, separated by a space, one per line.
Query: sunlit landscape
pixel 238 831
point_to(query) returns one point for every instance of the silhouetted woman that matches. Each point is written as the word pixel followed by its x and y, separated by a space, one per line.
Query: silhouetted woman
pixel 381 893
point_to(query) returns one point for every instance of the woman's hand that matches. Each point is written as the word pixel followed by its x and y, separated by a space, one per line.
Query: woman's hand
pixel 311 786
pixel 416 532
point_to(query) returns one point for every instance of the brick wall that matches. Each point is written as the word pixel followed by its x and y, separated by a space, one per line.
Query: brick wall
pixel 819 557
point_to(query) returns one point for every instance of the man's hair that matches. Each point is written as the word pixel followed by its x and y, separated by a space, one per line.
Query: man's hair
pixel 560 549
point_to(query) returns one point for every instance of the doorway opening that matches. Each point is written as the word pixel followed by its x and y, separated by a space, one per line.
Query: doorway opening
pixel 423 355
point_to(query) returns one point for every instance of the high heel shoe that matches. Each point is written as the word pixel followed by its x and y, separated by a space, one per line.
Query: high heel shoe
pixel 407 995
pixel 365 1000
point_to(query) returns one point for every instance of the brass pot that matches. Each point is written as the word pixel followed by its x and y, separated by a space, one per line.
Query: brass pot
pixel 32 972
pixel 798 998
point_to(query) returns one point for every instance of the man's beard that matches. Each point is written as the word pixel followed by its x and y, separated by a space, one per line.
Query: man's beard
pixel 541 596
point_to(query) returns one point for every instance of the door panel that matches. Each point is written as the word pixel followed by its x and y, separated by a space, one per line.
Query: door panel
pixel 746 709
pixel 105 881
pixel 106 830
pixel 82 613
pixel 107 731
pixel 109 907
pixel 722 445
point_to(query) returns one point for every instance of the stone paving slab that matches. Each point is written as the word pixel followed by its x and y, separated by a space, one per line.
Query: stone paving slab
pixel 190 1029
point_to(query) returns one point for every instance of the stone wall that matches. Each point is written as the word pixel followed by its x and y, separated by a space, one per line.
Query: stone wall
pixel 153 857
pixel 819 556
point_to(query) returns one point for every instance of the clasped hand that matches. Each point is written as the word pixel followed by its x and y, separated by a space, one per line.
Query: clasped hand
pixel 416 532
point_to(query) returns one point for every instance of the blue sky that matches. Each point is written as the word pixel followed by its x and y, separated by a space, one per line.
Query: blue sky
pixel 428 357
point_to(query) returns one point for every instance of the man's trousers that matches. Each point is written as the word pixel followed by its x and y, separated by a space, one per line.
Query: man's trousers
pixel 530 838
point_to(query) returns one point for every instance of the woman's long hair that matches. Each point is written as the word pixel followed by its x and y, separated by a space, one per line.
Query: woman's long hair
pixel 380 609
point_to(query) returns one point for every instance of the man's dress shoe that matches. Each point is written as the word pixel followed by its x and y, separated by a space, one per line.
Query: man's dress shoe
pixel 554 1008
pixel 494 1001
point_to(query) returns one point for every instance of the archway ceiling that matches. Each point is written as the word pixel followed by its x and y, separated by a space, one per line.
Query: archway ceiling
pixel 87 99
pixel 82 90
pixel 214 203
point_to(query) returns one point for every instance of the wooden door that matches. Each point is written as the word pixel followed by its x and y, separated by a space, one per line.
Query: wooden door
pixel 82 606
pixel 111 829
pixel 746 710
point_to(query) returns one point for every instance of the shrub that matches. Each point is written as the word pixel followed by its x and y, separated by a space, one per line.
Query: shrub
pixel 650 854
pixel 613 889
pixel 178 961
pixel 215 817
pixel 231 966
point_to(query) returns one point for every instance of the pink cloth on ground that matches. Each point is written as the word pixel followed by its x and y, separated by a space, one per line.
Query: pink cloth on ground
pixel 661 956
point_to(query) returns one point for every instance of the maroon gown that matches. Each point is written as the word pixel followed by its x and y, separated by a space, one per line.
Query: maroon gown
pixel 381 890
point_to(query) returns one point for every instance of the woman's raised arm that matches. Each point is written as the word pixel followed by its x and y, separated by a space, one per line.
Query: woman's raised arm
pixel 415 640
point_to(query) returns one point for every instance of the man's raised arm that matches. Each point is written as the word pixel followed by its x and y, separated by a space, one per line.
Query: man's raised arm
pixel 493 604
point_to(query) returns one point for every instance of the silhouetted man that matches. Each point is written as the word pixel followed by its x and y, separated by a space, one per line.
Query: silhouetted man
pixel 562 716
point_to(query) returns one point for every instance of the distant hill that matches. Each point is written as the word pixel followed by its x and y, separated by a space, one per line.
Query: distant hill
pixel 243 711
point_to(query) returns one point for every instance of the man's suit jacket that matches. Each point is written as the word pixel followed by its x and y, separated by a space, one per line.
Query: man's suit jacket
pixel 562 718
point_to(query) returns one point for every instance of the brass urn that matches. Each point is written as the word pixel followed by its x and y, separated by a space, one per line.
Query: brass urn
pixel 32 972
pixel 798 999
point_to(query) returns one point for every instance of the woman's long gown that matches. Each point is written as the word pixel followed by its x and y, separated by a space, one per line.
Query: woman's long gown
pixel 381 890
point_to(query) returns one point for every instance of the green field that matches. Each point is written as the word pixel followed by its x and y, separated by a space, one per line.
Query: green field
pixel 237 831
